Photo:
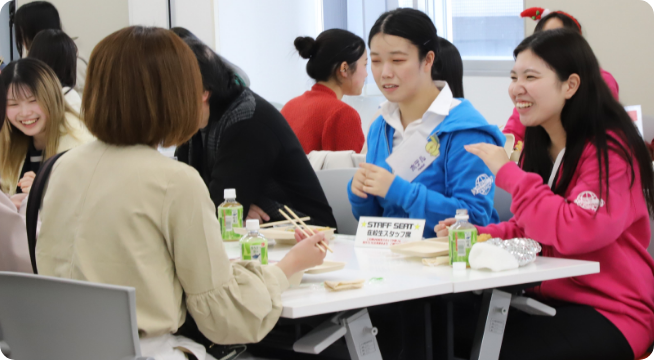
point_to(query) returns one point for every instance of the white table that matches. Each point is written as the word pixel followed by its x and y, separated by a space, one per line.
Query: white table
pixel 404 278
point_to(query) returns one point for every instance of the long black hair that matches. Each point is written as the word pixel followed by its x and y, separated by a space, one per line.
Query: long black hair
pixel 413 25
pixel 59 51
pixel 449 67
pixel 217 78
pixel 568 22
pixel 591 115
pixel 184 33
pixel 328 51
pixel 31 18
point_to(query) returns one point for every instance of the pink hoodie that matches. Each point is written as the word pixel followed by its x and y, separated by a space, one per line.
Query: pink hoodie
pixel 580 226
pixel 515 127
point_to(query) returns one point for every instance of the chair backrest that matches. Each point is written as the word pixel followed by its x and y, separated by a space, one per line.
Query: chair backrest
pixel 334 184
pixel 509 144
pixel 502 204
pixel 51 318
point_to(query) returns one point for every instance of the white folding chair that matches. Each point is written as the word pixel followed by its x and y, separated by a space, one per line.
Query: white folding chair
pixel 52 318
pixel 334 184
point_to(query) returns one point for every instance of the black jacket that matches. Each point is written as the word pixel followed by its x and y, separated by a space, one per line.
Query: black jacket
pixel 252 149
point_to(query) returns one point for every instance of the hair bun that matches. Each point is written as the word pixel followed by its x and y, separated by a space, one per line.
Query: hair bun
pixel 305 45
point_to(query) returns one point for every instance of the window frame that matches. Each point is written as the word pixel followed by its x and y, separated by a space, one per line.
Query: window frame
pixel 471 67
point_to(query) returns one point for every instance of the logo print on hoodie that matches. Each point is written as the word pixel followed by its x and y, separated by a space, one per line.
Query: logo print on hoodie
pixel 588 200
pixel 483 185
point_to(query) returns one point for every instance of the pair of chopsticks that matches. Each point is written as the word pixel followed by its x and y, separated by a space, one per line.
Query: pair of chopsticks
pixel 300 228
pixel 282 222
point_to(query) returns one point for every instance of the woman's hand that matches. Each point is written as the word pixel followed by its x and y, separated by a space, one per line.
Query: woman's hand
pixel 26 182
pixel 255 213
pixel 441 229
pixel 378 180
pixel 357 183
pixel 304 255
pixel 493 156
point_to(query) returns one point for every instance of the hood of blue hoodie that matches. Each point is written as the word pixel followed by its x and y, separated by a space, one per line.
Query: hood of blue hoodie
pixel 465 117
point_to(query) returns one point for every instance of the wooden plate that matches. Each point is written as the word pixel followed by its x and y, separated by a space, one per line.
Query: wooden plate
pixel 422 249
pixel 442 239
pixel 286 235
pixel 327 266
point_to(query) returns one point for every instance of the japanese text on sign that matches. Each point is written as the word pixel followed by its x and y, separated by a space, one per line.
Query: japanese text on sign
pixel 384 232
pixel 419 164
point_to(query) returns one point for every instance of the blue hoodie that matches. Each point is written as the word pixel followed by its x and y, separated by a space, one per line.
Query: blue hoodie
pixel 455 180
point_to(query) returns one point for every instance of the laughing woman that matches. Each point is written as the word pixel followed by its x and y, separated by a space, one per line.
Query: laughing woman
pixel 422 125
pixel 38 123
pixel 585 190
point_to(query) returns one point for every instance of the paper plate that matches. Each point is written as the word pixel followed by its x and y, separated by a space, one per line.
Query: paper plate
pixel 422 249
pixel 327 266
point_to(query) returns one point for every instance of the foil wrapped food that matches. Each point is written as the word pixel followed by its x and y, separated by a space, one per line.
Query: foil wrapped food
pixel 524 250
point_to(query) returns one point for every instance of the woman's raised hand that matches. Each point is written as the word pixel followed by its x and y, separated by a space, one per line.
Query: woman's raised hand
pixel 304 255
pixel 493 156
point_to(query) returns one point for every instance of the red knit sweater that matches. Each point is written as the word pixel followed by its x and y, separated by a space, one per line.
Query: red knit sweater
pixel 322 122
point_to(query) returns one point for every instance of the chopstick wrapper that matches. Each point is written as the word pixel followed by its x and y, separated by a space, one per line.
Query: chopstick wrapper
pixel 344 285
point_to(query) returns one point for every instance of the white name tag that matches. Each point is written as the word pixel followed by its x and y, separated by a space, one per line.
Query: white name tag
pixel 384 232
pixel 413 156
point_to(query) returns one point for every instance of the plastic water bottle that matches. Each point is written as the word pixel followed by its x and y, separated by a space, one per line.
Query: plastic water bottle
pixel 253 245
pixel 462 236
pixel 230 216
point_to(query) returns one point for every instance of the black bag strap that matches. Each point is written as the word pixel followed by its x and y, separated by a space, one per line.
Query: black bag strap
pixel 34 199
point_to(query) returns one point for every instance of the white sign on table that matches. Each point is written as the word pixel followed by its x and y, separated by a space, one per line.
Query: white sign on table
pixel 385 232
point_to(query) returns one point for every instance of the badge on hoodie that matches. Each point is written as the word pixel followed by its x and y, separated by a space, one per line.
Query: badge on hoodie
pixel 433 146
pixel 414 156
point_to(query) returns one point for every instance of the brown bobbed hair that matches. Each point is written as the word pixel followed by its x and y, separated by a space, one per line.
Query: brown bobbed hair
pixel 143 86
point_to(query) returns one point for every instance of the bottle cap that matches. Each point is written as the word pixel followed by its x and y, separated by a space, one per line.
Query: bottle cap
pixel 252 225
pixel 230 193
pixel 461 214
pixel 458 265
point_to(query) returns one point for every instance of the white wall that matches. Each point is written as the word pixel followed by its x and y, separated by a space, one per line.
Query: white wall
pixel 490 95
pixel 198 17
pixel 88 22
pixel 5 50
pixel 148 12
pixel 261 43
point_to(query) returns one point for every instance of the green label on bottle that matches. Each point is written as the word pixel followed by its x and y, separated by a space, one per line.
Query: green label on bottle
pixel 461 242
pixel 255 251
pixel 230 218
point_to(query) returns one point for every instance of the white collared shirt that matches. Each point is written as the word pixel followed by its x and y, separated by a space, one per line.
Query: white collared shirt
pixel 434 115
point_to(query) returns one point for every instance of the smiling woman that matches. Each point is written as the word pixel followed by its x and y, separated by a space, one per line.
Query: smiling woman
pixel 421 121
pixel 584 189
pixel 38 123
